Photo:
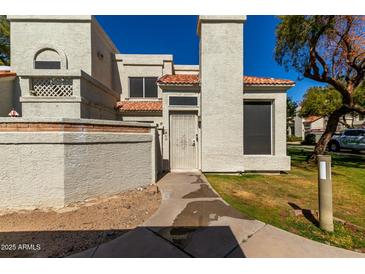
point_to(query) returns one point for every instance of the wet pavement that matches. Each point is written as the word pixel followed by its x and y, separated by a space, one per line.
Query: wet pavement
pixel 193 221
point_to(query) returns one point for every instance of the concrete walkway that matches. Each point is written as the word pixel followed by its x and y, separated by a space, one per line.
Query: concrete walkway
pixel 193 221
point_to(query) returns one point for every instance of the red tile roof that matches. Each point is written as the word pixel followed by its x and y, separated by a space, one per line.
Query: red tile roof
pixel 4 74
pixel 180 79
pixel 191 79
pixel 311 119
pixel 148 106
pixel 266 81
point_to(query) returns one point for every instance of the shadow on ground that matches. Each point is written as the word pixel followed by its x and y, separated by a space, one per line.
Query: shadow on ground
pixel 142 242
pixel 307 213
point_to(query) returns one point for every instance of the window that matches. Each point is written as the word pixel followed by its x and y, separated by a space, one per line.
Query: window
pixel 257 128
pixel 47 59
pixel 143 87
pixel 352 133
pixel 183 101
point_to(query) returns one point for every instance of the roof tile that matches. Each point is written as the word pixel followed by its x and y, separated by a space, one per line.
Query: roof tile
pixel 4 74
pixel 192 79
pixel 148 106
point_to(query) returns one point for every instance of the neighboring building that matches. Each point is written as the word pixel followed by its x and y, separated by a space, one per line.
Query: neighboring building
pixel 209 116
pixel 316 124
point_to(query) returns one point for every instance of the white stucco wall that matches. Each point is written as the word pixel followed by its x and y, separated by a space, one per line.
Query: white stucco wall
pixel 177 91
pixel 69 35
pixel 221 69
pixel 298 125
pixel 52 169
pixel 103 52
pixel 278 161
pixel 86 54
pixel 186 69
pixel 6 95
pixel 31 174
pixel 141 65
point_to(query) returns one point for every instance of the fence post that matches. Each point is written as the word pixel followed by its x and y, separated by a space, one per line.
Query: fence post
pixel 325 193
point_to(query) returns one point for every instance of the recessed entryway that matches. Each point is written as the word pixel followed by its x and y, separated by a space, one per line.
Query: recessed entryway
pixel 184 140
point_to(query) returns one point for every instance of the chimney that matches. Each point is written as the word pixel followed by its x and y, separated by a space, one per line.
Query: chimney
pixel 221 77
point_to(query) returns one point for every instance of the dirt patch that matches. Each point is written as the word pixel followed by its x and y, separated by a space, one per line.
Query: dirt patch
pixel 59 233
pixel 244 194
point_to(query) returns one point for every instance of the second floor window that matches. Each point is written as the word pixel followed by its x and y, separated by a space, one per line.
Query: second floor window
pixel 143 87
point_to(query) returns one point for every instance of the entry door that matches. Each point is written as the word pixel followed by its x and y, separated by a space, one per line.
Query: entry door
pixel 184 140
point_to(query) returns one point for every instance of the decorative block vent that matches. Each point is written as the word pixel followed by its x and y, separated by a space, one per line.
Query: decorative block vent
pixel 52 87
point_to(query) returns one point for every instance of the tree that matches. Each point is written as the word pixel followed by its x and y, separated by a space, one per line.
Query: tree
pixel 322 101
pixel 328 49
pixel 291 111
pixel 4 41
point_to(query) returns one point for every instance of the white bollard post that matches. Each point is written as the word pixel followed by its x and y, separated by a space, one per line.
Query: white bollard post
pixel 325 193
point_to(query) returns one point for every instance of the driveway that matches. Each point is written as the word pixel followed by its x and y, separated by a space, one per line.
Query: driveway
pixel 193 221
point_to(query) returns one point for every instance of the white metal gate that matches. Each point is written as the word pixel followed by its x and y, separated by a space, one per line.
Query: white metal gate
pixel 183 140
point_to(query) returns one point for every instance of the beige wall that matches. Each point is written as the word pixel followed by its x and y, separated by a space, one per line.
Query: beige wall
pixel 221 69
pixel 6 95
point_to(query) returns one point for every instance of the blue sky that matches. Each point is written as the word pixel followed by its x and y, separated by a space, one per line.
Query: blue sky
pixel 177 35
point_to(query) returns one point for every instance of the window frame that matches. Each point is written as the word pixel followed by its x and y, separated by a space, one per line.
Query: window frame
pixel 272 130
pixel 143 87
pixel 184 106
pixel 47 62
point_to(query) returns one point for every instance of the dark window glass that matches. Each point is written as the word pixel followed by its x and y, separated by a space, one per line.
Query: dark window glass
pixel 47 65
pixel 150 87
pixel 257 128
pixel 183 101
pixel 136 87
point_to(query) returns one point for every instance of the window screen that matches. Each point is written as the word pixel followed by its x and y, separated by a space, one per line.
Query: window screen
pixel 47 65
pixel 136 87
pixel 150 87
pixel 183 101
pixel 257 127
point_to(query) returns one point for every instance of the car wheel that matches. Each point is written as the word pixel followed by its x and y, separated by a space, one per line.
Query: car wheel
pixel 334 146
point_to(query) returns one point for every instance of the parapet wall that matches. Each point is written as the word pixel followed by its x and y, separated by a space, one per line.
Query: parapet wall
pixel 51 163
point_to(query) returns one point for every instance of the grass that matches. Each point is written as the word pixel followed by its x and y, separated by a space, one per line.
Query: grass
pixel 271 198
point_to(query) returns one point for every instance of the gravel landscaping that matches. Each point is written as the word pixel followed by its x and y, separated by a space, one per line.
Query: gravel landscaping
pixel 59 233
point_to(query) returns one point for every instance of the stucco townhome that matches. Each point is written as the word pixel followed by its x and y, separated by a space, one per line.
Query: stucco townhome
pixel 207 117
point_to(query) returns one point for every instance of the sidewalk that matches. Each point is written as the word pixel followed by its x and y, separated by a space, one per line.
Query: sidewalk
pixel 193 221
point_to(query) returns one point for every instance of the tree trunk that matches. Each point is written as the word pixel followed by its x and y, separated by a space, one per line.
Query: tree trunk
pixel 331 127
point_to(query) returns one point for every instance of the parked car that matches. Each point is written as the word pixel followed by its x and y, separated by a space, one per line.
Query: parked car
pixel 353 139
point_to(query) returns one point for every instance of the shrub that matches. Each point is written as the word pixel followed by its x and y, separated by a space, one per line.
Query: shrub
pixel 309 139
pixel 293 138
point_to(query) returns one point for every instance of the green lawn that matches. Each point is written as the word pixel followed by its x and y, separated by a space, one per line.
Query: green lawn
pixel 268 198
